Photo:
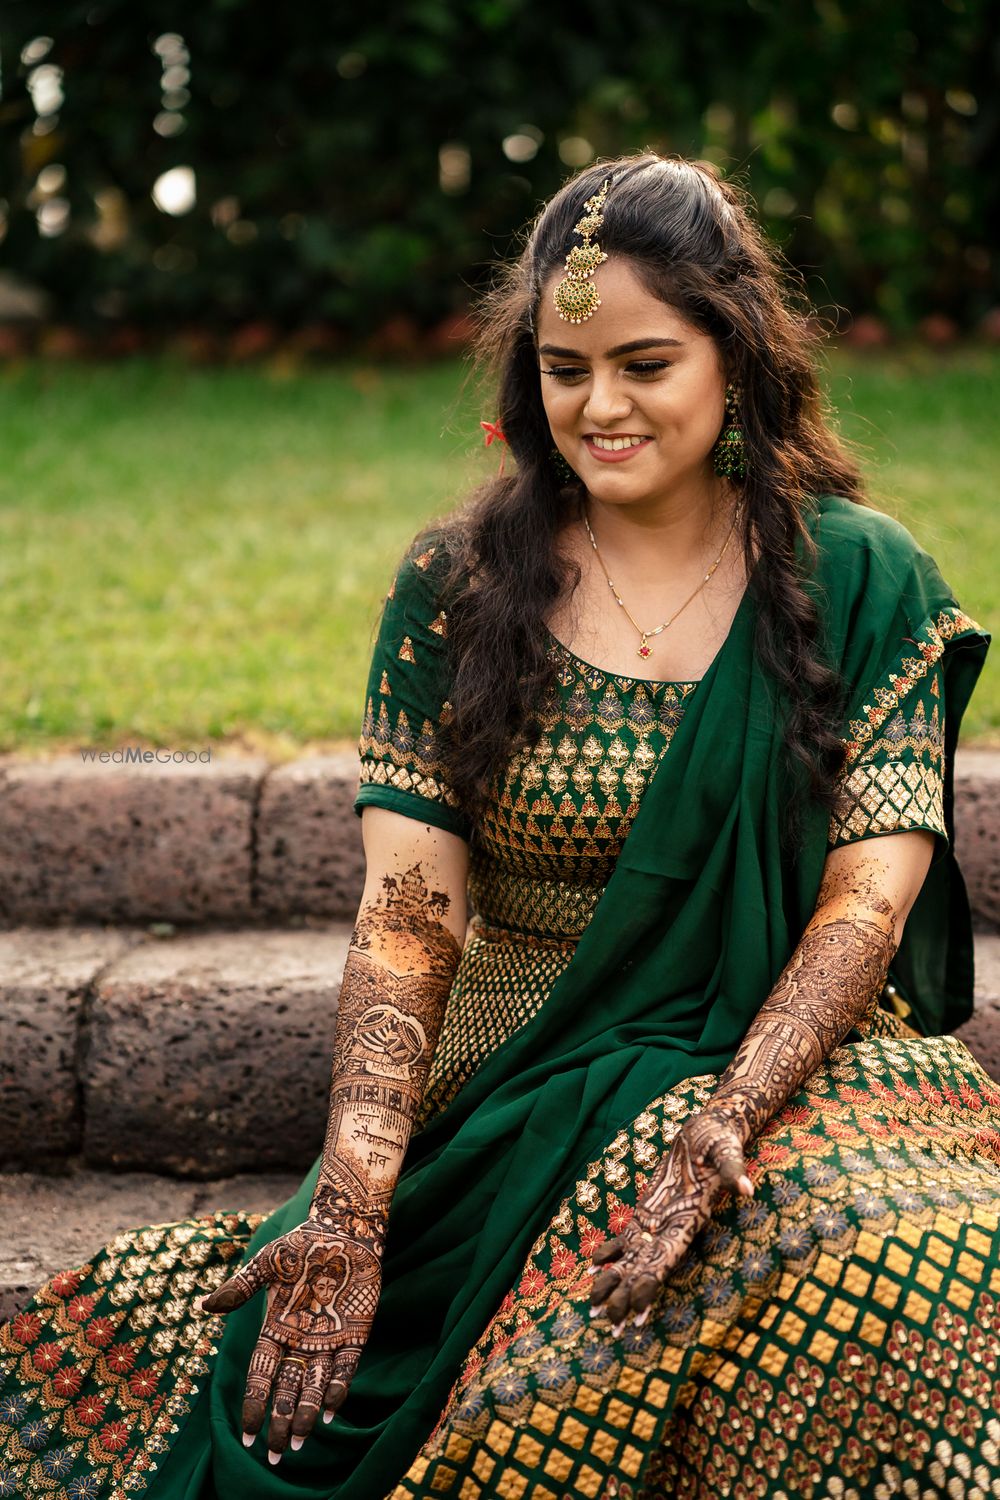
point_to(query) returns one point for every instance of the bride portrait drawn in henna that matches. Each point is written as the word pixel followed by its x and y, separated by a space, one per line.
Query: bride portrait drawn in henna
pixel 653 1166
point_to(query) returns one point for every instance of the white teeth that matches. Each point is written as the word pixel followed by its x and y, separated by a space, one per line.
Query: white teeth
pixel 614 445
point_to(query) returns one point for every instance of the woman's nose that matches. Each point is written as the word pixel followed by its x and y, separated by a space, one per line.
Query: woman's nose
pixel 607 402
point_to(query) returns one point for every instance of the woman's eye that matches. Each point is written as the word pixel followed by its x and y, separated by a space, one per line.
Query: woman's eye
pixel 565 372
pixel 644 368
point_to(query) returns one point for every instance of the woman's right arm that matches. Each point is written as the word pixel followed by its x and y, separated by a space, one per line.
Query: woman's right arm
pixel 324 1275
pixel 404 951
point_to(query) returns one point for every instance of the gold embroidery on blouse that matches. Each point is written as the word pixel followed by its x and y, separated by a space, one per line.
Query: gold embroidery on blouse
pixel 888 798
pixel 949 623
pixel 546 847
pixel 902 792
pixel 391 756
pixel 505 979
pixel 561 810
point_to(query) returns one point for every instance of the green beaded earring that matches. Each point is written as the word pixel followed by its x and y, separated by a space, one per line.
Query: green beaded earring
pixel 565 473
pixel 729 453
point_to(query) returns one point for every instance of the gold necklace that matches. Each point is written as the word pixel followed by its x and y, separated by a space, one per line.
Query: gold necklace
pixel 644 648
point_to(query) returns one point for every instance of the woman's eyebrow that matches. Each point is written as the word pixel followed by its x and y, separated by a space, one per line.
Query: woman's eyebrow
pixel 630 348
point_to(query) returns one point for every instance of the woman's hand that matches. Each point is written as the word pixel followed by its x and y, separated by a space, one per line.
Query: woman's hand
pixel 705 1157
pixel 324 1283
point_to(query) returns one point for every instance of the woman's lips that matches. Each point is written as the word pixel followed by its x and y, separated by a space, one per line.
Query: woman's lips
pixel 615 456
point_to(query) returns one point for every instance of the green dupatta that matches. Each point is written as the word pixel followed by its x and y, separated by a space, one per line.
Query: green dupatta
pixel 700 916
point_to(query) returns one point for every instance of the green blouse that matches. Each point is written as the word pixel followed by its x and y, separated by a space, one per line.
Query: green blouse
pixel 559 813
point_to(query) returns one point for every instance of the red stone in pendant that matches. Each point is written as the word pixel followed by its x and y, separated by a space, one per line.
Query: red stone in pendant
pixel 645 650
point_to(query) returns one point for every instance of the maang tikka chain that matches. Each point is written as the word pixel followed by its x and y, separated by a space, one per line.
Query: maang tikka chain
pixel 576 297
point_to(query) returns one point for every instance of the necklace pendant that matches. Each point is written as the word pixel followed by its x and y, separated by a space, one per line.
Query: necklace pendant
pixel 644 649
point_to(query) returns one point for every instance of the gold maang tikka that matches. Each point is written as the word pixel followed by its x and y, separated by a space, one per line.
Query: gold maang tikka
pixel 576 297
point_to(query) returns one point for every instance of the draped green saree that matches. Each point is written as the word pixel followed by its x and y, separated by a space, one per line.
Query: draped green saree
pixel 699 917
pixel 702 912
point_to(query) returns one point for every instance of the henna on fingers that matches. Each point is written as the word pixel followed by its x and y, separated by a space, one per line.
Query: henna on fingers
pixel 324 1275
pixel 830 984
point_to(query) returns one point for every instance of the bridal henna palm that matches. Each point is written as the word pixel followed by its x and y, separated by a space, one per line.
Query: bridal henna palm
pixel 831 982
pixel 324 1276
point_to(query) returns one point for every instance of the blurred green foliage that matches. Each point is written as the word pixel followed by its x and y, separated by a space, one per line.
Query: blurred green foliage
pixel 358 164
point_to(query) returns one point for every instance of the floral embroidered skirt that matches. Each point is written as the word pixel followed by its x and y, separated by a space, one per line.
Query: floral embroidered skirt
pixel 837 1335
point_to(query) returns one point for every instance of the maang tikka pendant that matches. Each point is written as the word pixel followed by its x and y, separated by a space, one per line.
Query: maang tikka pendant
pixel 576 297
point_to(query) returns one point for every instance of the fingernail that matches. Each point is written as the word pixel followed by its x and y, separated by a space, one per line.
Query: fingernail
pixel 272 1458
pixel 248 1439
pixel 297 1442
pixel 328 1416
pixel 642 1318
pixel 617 1328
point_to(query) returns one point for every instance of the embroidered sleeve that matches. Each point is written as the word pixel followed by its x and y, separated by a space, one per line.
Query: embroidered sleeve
pixel 405 703
pixel 894 779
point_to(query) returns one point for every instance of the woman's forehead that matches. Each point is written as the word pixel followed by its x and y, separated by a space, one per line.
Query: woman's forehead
pixel 628 310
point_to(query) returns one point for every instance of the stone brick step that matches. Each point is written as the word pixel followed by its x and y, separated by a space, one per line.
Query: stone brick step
pixel 201 1054
pixel 56 1223
pixel 194 1053
pixel 241 840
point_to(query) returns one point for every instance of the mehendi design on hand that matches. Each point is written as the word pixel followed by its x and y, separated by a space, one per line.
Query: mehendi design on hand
pixel 831 982
pixel 323 1289
pixel 324 1276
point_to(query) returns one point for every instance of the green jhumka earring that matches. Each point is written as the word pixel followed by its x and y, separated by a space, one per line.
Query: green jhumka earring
pixel 729 453
pixel 565 473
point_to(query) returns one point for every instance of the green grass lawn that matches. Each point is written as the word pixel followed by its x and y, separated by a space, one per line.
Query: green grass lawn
pixel 198 556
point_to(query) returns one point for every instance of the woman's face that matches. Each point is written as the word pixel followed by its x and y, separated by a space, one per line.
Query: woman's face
pixel 634 369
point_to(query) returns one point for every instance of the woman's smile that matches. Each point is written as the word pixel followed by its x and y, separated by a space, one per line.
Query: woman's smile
pixel 611 450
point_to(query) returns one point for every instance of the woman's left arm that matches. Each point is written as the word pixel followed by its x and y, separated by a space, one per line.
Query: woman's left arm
pixel 831 983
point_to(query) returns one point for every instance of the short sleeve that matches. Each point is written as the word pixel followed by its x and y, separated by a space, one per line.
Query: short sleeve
pixel 895 782
pixel 406 702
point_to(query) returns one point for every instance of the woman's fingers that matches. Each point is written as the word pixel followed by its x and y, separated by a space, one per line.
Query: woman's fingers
pixel 287 1385
pixel 727 1158
pixel 315 1380
pixel 257 1393
pixel 644 1290
pixel 345 1362
pixel 605 1284
pixel 239 1288
pixel 607 1251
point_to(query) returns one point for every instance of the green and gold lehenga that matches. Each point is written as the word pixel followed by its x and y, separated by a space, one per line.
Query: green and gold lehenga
pixel 837 1335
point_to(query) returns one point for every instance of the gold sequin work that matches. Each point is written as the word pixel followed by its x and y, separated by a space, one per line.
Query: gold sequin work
pixel 555 823
pixel 561 811
pixel 893 778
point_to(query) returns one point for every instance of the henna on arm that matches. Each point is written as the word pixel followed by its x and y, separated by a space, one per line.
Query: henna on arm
pixel 830 984
pixel 397 978
pixel 324 1276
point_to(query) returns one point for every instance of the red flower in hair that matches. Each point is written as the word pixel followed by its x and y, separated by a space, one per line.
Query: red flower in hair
pixel 494 433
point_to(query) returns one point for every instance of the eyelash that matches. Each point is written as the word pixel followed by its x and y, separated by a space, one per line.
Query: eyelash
pixel 645 368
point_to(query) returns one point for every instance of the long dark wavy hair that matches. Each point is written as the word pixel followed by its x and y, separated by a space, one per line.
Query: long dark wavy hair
pixel 692 238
